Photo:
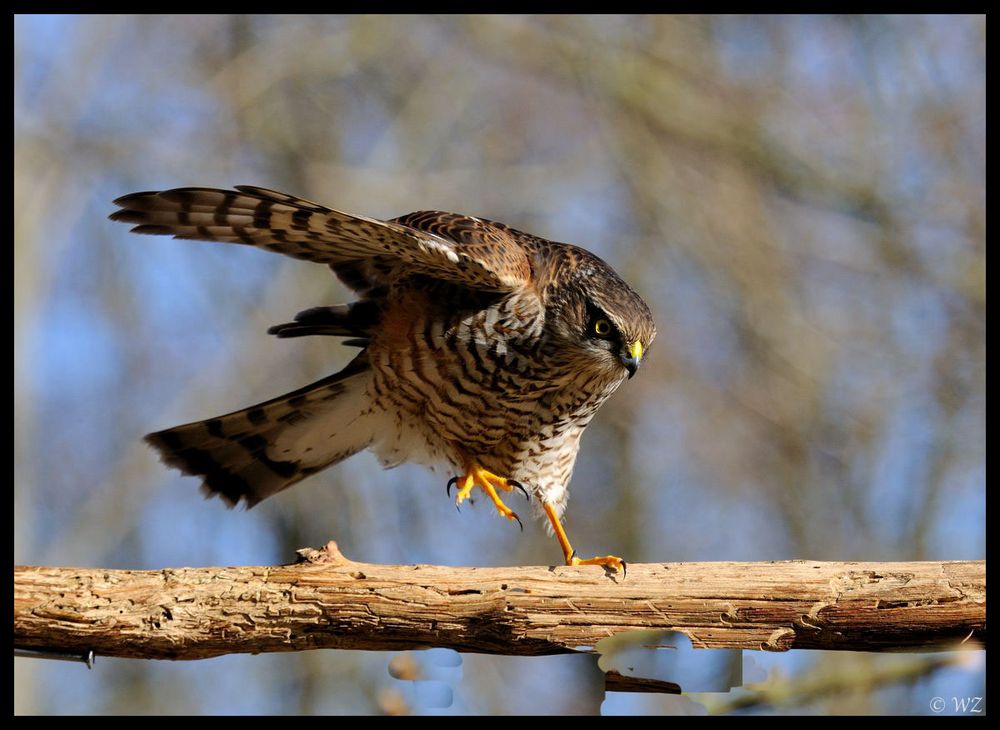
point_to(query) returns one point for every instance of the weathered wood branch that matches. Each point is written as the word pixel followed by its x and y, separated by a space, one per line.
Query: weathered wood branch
pixel 328 601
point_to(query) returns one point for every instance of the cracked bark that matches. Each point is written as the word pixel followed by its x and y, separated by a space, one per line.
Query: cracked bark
pixel 328 601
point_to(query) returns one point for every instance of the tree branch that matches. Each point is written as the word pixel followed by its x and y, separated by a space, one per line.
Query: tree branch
pixel 815 687
pixel 328 601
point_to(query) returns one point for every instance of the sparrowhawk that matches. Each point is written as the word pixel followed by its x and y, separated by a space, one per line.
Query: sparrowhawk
pixel 482 348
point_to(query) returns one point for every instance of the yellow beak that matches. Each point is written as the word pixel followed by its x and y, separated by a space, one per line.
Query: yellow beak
pixel 633 358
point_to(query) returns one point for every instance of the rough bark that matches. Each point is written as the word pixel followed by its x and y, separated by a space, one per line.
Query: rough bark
pixel 328 601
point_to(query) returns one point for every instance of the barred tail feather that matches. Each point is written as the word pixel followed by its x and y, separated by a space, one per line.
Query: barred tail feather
pixel 258 451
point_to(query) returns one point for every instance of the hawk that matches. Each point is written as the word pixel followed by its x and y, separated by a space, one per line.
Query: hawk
pixel 482 348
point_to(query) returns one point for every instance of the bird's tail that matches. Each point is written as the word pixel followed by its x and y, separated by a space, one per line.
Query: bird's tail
pixel 261 450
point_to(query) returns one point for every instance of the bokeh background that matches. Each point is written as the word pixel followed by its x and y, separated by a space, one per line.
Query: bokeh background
pixel 801 200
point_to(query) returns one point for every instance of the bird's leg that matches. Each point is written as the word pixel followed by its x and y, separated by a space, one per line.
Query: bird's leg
pixel 477 476
pixel 609 561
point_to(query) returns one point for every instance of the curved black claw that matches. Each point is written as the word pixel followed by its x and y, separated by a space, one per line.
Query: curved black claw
pixel 518 485
pixel 451 483
pixel 518 521
pixel 624 570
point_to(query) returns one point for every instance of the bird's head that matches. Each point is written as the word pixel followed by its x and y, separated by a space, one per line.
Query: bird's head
pixel 597 319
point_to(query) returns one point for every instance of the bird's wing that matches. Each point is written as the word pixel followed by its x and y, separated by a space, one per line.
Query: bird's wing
pixel 458 249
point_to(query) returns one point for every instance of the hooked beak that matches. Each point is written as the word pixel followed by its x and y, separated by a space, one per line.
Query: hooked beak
pixel 632 358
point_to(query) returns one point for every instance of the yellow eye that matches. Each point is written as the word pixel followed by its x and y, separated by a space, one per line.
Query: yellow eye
pixel 602 328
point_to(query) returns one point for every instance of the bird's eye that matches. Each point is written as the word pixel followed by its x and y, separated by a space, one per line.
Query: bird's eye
pixel 602 327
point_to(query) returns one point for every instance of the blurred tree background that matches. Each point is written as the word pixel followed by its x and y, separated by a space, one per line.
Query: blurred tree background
pixel 801 200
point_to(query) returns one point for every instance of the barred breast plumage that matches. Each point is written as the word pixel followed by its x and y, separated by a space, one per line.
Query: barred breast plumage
pixel 483 349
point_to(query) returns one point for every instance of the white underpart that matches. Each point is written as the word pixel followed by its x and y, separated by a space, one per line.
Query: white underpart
pixel 399 440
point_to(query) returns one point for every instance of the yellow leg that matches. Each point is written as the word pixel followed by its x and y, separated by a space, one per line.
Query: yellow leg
pixel 477 476
pixel 609 561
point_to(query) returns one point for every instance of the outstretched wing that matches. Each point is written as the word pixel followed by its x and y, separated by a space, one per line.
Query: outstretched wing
pixel 465 251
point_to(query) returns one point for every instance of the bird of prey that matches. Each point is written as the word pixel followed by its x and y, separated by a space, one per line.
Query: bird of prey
pixel 482 349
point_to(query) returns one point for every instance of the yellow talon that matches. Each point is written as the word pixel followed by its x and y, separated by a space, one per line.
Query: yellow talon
pixel 608 561
pixel 477 476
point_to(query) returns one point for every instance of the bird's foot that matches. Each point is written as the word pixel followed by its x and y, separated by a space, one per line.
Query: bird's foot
pixel 608 561
pixel 477 476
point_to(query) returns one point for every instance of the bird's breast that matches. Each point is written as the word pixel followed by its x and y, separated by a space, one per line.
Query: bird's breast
pixel 480 381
